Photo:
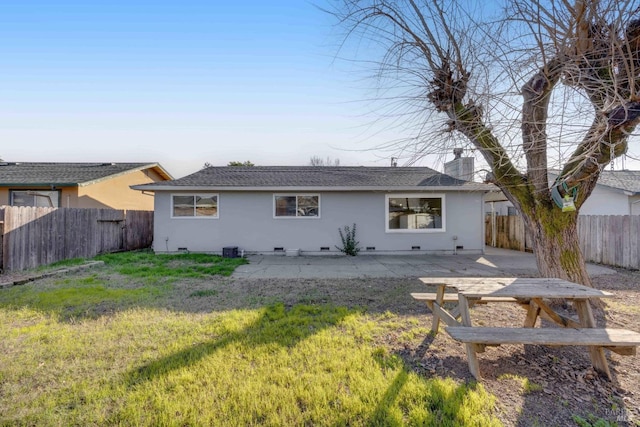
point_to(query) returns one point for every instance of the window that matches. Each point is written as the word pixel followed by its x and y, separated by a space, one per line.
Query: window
pixel 299 205
pixel 511 211
pixel 415 213
pixel 38 198
pixel 194 205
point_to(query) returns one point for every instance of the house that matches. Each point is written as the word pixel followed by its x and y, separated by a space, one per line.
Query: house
pixel 616 193
pixel 293 209
pixel 78 185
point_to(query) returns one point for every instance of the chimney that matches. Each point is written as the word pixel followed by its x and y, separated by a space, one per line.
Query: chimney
pixel 460 167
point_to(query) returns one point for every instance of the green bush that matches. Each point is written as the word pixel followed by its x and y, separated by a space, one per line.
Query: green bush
pixel 350 246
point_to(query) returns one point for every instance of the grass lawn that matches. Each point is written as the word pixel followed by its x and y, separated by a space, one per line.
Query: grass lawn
pixel 106 347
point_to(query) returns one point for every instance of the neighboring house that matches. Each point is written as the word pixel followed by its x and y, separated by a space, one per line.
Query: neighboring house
pixel 78 185
pixel 280 209
pixel 616 193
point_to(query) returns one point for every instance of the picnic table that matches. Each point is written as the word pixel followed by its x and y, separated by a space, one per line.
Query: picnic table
pixel 530 294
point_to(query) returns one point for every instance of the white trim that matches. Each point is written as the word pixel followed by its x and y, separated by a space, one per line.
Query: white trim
pixel 217 196
pixel 443 215
pixel 296 195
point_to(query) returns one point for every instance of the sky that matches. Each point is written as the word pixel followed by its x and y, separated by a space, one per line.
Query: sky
pixel 181 83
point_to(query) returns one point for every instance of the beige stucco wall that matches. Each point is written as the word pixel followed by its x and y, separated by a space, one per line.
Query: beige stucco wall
pixel 4 196
pixel 115 193
pixel 111 193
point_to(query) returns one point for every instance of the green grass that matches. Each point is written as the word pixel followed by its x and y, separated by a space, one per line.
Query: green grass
pixel 142 362
pixel 64 263
pixel 87 296
pixel 145 264
pixel 527 386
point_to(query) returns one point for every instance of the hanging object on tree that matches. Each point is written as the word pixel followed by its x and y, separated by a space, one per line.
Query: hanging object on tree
pixel 566 202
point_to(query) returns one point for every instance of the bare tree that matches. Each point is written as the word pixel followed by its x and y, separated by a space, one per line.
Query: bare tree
pixel 552 84
pixel 318 161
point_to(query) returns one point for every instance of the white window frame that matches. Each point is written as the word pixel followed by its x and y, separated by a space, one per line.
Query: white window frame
pixel 443 215
pixel 296 195
pixel 217 196
pixel 36 193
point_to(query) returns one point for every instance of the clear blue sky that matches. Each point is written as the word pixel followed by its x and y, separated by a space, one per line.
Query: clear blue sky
pixel 181 83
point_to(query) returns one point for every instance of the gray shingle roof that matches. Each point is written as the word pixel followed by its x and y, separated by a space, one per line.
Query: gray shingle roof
pixel 621 180
pixel 624 180
pixel 316 177
pixel 65 174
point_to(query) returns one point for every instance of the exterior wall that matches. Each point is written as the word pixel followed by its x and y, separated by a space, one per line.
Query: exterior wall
pixel 112 193
pixel 115 192
pixel 69 197
pixel 246 220
pixel 499 208
pixel 635 205
pixel 604 201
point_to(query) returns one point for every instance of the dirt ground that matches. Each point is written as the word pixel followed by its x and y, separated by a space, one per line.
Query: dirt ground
pixel 562 383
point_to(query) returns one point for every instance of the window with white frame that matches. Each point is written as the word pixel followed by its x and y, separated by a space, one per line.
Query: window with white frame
pixel 415 213
pixel 38 198
pixel 194 205
pixel 296 205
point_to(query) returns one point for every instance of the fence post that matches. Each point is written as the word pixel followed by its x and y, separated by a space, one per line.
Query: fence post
pixel 2 245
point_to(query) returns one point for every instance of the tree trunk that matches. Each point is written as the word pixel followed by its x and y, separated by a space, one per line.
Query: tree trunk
pixel 556 244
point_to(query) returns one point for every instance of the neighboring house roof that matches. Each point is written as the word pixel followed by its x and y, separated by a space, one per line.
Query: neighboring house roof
pixel 23 174
pixel 626 181
pixel 310 178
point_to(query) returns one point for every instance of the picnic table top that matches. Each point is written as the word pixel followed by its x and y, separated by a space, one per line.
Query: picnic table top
pixel 478 287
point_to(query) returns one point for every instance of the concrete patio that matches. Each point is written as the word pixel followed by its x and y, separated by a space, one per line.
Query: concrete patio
pixel 494 263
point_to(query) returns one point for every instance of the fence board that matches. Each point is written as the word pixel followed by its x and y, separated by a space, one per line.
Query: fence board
pixel 605 239
pixel 138 230
pixel 39 236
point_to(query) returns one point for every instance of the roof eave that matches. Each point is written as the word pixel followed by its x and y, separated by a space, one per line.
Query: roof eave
pixel 38 184
pixel 154 187
pixel 156 166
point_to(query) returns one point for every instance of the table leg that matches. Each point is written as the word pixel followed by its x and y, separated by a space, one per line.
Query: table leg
pixel 598 358
pixel 532 315
pixel 435 322
pixel 474 367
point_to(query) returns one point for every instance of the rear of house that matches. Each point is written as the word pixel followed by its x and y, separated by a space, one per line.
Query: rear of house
pixel 276 209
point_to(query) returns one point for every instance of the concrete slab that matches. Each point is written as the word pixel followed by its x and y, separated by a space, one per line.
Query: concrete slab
pixel 494 262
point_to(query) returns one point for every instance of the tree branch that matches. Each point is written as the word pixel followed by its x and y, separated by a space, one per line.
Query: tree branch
pixel 536 93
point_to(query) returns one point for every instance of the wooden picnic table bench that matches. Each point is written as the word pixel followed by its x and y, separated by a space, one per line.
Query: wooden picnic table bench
pixel 529 293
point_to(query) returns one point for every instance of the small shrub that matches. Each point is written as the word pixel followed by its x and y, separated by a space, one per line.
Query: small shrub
pixel 350 246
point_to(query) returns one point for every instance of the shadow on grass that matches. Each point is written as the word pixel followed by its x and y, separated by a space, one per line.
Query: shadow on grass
pixel 383 413
pixel 436 402
pixel 276 325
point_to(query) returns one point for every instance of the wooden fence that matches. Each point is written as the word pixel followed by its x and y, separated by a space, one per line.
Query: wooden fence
pixel 606 239
pixel 509 233
pixel 38 236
